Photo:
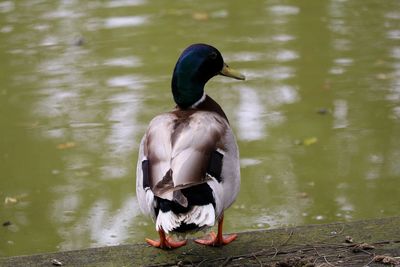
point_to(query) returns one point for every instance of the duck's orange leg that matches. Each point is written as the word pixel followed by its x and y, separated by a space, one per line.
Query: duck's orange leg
pixel 165 242
pixel 217 239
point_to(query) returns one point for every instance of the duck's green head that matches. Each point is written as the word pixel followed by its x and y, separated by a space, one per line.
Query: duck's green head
pixel 197 64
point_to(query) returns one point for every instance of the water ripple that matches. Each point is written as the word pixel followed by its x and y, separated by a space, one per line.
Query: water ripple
pixel 283 38
pixel 393 34
pixel 124 62
pixel 117 22
pixel 124 3
pixel 285 10
pixel 6 6
pixel 128 81
pixel 251 125
pixel 286 55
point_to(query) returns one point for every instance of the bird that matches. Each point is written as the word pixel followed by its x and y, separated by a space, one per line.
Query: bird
pixel 188 169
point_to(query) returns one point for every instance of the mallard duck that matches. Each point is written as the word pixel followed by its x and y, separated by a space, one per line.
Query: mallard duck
pixel 188 166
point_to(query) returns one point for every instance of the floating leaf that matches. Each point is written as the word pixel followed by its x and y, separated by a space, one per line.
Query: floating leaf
pixel 310 141
pixel 10 200
pixel 201 16
pixel 302 195
pixel 66 145
pixel 14 199
pixel 381 76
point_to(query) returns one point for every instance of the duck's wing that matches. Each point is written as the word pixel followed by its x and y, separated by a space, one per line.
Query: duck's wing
pixel 194 140
pixel 176 150
pixel 183 149
pixel 159 130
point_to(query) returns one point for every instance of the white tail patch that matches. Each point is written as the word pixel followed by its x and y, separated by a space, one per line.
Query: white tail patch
pixel 202 216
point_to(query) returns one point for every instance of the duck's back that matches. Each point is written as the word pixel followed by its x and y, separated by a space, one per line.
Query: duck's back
pixel 185 149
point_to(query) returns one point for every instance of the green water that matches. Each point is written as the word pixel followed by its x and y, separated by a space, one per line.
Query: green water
pixel 317 120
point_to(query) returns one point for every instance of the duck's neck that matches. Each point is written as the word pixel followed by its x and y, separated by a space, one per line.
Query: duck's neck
pixel 186 89
pixel 198 102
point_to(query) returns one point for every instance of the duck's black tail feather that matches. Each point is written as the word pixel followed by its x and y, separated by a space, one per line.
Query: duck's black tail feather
pixel 199 212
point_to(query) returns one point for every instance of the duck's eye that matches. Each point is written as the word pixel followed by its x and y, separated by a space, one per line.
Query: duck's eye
pixel 213 56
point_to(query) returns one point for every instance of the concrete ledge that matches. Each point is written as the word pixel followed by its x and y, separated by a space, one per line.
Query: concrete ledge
pixel 362 243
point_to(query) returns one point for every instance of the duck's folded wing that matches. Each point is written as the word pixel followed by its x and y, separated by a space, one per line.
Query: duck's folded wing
pixel 157 148
pixel 194 146
pixel 178 148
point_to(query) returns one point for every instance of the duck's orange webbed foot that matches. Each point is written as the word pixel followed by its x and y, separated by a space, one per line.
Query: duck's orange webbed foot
pixel 165 242
pixel 214 240
pixel 217 239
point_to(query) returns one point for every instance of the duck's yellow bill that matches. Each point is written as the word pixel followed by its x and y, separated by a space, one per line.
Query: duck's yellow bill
pixel 228 72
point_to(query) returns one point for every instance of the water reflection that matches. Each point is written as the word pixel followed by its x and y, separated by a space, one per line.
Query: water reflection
pixel 249 115
pixel 127 62
pixel 247 56
pixel 393 34
pixel 340 114
pixel 283 38
pixel 101 224
pixel 98 117
pixel 285 10
pixel 286 55
pixel 122 136
pixel 116 22
pixel 283 94
pixel 87 103
pixel 62 13
pixel 124 3
pixel 7 6
pixel 374 170
pixel 276 73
